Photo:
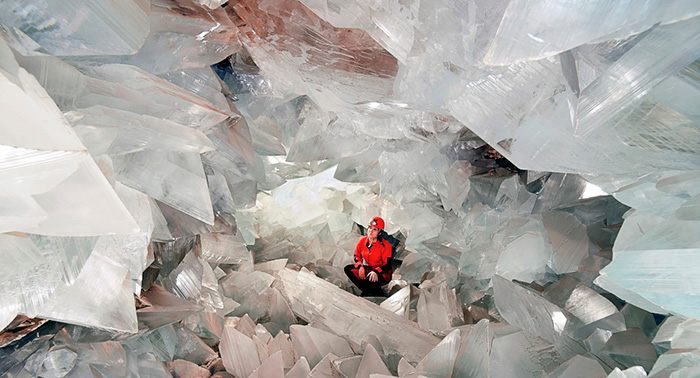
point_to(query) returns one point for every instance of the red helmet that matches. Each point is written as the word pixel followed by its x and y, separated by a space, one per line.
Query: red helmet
pixel 377 222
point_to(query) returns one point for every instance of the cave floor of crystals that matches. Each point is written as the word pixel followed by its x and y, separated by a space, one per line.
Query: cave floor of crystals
pixel 182 183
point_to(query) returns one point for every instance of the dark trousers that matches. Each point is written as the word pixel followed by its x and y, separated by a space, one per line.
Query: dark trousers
pixel 367 287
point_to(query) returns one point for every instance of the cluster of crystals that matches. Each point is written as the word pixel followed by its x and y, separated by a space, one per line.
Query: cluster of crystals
pixel 182 183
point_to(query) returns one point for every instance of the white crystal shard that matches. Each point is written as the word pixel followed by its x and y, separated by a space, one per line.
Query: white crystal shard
pixel 432 314
pixel 52 181
pixel 524 258
pixel 135 132
pixel 579 366
pixel 664 334
pixel 440 361
pixel 524 308
pixel 191 348
pixel 314 344
pixel 185 280
pixel 347 366
pixel 677 363
pixel 265 133
pixel 398 303
pixel 245 325
pixel 644 196
pixel 388 23
pixel 271 267
pixel 324 369
pixel 58 363
pixel 238 352
pixel 211 298
pixel 280 313
pixel 674 291
pixel 238 283
pixel 371 364
pixel 221 197
pixel 73 204
pixel 683 184
pixel 520 355
pixel 162 342
pixel 121 87
pixel 528 30
pixel 473 356
pixel 636 76
pixel 630 348
pixel 636 225
pixel 82 28
pixel 149 366
pixel 686 335
pixel 162 176
pixel 22 265
pixel 224 249
pixel 271 367
pixel 100 297
pixel 281 343
pixel 353 317
pixel 162 307
pixel 604 281
pixel 300 369
pixel 184 35
pixel 354 79
pixel 568 239
pixel 203 82
pixel 31 105
pixel 675 232
pixel 458 185
pixel 130 250
pixel 586 309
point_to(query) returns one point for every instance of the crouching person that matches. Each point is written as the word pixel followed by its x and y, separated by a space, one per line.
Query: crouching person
pixel 373 255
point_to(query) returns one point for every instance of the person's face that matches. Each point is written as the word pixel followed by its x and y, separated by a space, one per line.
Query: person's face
pixel 372 232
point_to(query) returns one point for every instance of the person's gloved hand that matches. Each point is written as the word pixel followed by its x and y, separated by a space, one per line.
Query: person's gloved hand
pixel 372 276
pixel 361 272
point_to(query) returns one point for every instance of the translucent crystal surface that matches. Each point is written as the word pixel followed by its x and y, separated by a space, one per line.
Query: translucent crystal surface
pixel 440 361
pixel 183 182
pixel 82 28
pixel 238 352
pixel 631 348
pixel 100 297
pixel 160 176
pixel 340 311
pixel 473 356
pixel 315 344
pixel 371 364
pixel 48 180
pixel 528 310
pixel 579 366
pixel 526 31
pixel 656 264
pixel 163 308
pixel 521 355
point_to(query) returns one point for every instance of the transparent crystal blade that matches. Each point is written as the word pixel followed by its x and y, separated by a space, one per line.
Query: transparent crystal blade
pixel 526 31
pixel 100 297
pixel 82 27
pixel 238 352
pixel 353 317
pixel 162 176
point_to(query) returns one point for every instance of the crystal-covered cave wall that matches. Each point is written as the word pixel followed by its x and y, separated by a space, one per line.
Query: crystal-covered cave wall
pixel 183 181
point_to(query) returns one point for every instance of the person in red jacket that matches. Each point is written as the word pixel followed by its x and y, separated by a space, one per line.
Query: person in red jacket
pixel 372 267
